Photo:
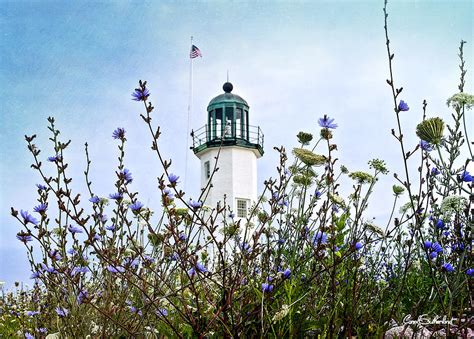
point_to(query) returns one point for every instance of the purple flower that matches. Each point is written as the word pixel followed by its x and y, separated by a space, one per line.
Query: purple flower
pixel 72 251
pixel 427 244
pixel 35 275
pixel 28 335
pixel 231 215
pixel 83 294
pixel 426 146
pixel 433 255
pixel 467 177
pixel 195 204
pixel 140 94
pixel 79 269
pixel 287 273
pixel 95 199
pixel 358 245
pixel 54 254
pixel 62 312
pixel 74 229
pixel 192 272
pixel 133 263
pixel 201 268
pixel 167 192
pixel 28 218
pixel 448 267
pixel 119 133
pixel 110 228
pixel 41 208
pixel 162 312
pixel 126 175
pixel 148 260
pixel 173 179
pixel 317 194
pixel 182 236
pixel 116 196
pixel 136 206
pixel 41 187
pixel 24 237
pixel 327 122
pixel 437 247
pixel 113 269
pixel 42 330
pixel 435 171
pixel 55 158
pixel 267 288
pixel 440 224
pixel 281 241
pixel 32 313
pixel 470 271
pixel 320 238
pixel 403 106
pixel 101 217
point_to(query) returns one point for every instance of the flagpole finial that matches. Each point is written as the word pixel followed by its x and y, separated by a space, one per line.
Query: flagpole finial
pixel 227 75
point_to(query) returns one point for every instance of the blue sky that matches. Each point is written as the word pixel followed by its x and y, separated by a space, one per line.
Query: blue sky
pixel 292 61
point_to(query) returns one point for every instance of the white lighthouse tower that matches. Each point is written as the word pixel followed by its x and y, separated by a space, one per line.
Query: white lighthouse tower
pixel 237 145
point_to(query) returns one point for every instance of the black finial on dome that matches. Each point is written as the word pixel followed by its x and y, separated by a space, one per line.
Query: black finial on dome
pixel 227 87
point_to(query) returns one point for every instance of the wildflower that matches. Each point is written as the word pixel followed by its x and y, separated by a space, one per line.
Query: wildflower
pixel 309 158
pixel 358 245
pixel 74 229
pixel 425 146
pixel 267 288
pixel 113 269
pixel 41 208
pixel 55 158
pixel 162 312
pixel 48 269
pixel 427 244
pixel 126 175
pixel 281 241
pixel 28 218
pixel 403 106
pixel 54 254
pixel 231 215
pixel 435 171
pixel 195 204
pixel 167 192
pixel 72 251
pixel 95 199
pixel 317 194
pixel 440 224
pixel 182 236
pixel 79 269
pixel 119 133
pixel 35 275
pixel 136 206
pixel 320 238
pixel 327 122
pixel 42 330
pixel 101 217
pixel 452 205
pixel 304 138
pixel 83 294
pixel 140 94
pixel 173 179
pixel 448 267
pixel 437 247
pixel 287 273
pixel 466 177
pixel 41 187
pixel 361 177
pixel 201 268
pixel 133 263
pixel 470 271
pixel 192 272
pixel 148 260
pixel 24 237
pixel 116 196
pixel 32 313
pixel 431 130
pixel 379 165
pixel 461 99
pixel 28 335
pixel 62 312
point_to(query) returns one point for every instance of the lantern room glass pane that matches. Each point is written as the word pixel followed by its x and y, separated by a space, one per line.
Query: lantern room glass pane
pixel 217 124
pixel 229 119
pixel 238 122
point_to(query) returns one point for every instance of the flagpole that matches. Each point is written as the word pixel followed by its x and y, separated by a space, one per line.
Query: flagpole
pixel 190 102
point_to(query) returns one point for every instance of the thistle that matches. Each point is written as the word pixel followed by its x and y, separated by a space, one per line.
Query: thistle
pixel 431 130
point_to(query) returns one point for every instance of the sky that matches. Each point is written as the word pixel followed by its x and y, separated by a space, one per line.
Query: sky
pixel 293 62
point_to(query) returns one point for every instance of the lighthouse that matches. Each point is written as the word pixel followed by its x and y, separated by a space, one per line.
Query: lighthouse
pixel 229 139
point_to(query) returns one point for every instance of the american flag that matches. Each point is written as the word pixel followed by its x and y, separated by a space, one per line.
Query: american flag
pixel 195 52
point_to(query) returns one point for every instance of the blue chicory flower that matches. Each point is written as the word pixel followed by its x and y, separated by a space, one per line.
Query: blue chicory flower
pixel 320 238
pixel 140 94
pixel 95 199
pixel 74 229
pixel 41 208
pixel 435 171
pixel 62 312
pixel 448 267
pixel 287 273
pixel 32 313
pixel 358 245
pixel 173 179
pixel 470 272
pixel 195 204
pixel 440 224
pixel 327 122
pixel 116 196
pixel 426 146
pixel 201 268
pixel 427 244
pixel 403 106
pixel 467 177
pixel 115 269
pixel 119 133
pixel 136 206
pixel 126 175
pixel 41 187
pixel 28 218
pixel 24 237
pixel 28 335
pixel 55 158
pixel 267 288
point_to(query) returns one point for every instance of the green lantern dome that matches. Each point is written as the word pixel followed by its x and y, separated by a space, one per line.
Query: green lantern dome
pixel 228 124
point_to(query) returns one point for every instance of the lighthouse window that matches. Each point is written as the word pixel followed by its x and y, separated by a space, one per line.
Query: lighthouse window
pixel 218 123
pixel 241 208
pixel 238 123
pixel 207 169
